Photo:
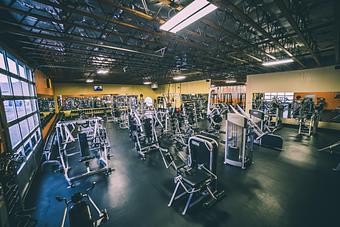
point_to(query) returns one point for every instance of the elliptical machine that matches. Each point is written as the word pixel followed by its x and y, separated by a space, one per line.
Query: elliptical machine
pixel 80 212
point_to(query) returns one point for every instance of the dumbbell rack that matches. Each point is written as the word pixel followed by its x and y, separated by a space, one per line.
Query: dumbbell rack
pixel 11 195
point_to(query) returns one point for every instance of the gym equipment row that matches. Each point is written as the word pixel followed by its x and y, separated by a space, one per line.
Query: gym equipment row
pixel 193 157
pixel 227 95
pixel 74 103
pixel 193 154
pixel 46 104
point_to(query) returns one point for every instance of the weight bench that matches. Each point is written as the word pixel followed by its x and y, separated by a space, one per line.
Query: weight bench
pixel 84 148
pixel 200 179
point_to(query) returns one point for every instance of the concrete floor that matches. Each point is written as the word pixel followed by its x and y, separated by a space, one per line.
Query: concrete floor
pixel 294 187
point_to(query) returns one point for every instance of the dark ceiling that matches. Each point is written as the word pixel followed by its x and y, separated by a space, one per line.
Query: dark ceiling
pixel 70 40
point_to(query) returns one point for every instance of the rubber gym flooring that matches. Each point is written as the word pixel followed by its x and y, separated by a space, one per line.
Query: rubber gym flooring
pixel 294 187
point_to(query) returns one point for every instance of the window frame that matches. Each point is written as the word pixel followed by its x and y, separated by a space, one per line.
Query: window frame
pixel 28 78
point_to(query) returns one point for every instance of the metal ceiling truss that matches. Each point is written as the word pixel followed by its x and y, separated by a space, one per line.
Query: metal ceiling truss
pixel 124 37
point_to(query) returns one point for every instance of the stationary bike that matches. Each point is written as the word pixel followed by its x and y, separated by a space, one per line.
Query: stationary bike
pixel 80 211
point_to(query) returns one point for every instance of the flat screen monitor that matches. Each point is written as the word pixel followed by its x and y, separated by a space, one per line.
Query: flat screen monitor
pixel 97 88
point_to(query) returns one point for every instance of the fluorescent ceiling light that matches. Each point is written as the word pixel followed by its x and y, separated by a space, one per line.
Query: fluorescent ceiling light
pixel 179 77
pixel 271 56
pixel 278 62
pixel 147 82
pixel 193 12
pixel 103 71
pixel 253 57
pixel 89 80
pixel 231 81
pixel 194 18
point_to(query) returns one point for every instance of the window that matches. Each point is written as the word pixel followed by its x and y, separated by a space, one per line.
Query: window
pixel 22 71
pixel 24 128
pixel 28 106
pixel 25 88
pixel 12 66
pixel 15 135
pixel 16 85
pixel 20 152
pixel 19 104
pixel 37 133
pixel 5 85
pixel 34 106
pixel 24 131
pixel 31 89
pixel 36 119
pixel 34 91
pixel 27 148
pixel 33 140
pixel 10 110
pixel 2 61
pixel 31 122
pixel 29 75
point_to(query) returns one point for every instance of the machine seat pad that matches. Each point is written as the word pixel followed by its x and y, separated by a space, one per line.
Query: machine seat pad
pixel 179 163
pixel 144 143
pixel 196 179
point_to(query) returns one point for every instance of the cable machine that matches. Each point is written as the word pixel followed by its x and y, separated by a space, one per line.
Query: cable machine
pixel 239 141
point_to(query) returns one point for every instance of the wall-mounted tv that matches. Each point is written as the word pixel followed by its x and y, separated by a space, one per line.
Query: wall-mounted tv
pixel 97 87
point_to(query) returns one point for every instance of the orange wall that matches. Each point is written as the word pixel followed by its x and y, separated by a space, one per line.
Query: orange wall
pixel 47 128
pixel 40 79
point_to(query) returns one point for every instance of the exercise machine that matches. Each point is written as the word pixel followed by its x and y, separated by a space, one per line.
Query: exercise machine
pixel 331 151
pixel 79 212
pixel 307 115
pixel 190 114
pixel 90 145
pixel 199 181
pixel 266 137
pixel 177 160
pixel 259 118
pixel 273 114
pixel 215 118
pixel 239 141
pixel 143 132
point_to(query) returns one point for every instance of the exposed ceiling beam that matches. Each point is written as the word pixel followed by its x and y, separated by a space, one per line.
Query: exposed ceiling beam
pixel 282 6
pixel 246 19
pixel 64 39
pixel 94 55
pixel 163 35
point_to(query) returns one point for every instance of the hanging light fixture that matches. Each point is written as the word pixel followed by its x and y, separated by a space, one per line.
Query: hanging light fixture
pixel 278 62
pixel 191 13
pixel 179 78
pixel 103 71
